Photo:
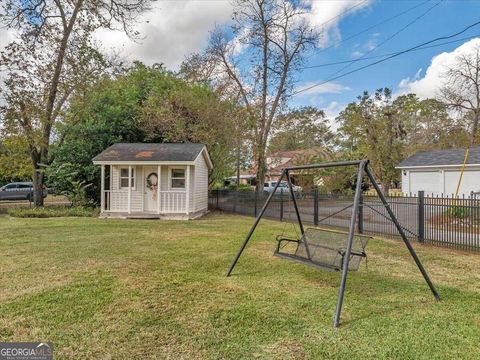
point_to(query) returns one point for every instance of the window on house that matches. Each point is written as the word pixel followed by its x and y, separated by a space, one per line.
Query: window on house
pixel 124 178
pixel 178 179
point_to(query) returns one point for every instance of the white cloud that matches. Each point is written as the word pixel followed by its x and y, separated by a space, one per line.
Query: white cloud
pixel 429 85
pixel 6 36
pixel 332 109
pixel 170 31
pixel 371 44
pixel 322 12
pixel 360 50
pixel 331 112
pixel 326 88
pixel 174 29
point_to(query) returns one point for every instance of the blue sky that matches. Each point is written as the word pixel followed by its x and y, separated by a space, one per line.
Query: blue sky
pixel 448 17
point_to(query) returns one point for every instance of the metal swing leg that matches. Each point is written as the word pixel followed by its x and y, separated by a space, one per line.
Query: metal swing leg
pixel 351 233
pixel 254 226
pixel 295 205
pixel 402 234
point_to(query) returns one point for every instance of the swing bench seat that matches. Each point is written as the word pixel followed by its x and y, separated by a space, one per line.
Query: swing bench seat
pixel 323 249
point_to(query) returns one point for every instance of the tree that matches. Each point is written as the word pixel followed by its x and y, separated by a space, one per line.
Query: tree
pixel 52 58
pixel 145 104
pixel 428 124
pixel 373 128
pixel 270 40
pixel 109 112
pixel 176 111
pixel 461 89
pixel 14 160
pixel 386 130
pixel 202 71
pixel 302 128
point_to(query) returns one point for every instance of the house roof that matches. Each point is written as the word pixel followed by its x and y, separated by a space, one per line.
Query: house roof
pixel 289 158
pixel 146 152
pixel 318 150
pixel 294 158
pixel 446 157
pixel 284 154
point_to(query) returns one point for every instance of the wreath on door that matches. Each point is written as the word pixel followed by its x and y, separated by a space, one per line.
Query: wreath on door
pixel 152 181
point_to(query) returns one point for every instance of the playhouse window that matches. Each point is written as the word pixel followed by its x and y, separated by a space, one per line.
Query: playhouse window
pixel 124 178
pixel 178 179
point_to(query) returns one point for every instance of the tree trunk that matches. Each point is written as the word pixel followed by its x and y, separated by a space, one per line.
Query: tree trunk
pixel 474 134
pixel 37 178
pixel 386 188
pixel 39 157
pixel 238 167
pixel 261 170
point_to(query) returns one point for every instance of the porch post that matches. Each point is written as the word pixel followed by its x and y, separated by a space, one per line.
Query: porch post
pixel 102 188
pixel 159 183
pixel 187 190
pixel 129 189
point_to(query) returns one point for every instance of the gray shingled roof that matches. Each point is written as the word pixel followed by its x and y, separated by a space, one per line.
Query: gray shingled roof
pixel 442 157
pixel 150 152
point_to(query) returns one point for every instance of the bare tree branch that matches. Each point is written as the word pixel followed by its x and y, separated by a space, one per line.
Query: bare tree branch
pixel 461 89
pixel 273 37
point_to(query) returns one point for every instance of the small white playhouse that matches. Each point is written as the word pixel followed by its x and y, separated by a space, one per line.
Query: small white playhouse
pixel 168 180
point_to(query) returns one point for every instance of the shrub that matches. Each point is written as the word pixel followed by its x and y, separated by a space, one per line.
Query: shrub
pixel 54 211
pixel 244 187
pixel 233 186
pixel 458 211
pixel 217 186
pixel 62 179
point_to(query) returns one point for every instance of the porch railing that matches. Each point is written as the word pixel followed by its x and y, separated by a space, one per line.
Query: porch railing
pixel 170 201
pixel 115 200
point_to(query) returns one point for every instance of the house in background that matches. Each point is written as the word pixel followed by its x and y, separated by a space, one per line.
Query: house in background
pixel 154 180
pixel 245 179
pixel 437 172
pixel 278 160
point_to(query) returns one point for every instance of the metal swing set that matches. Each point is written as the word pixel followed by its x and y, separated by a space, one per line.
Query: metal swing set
pixel 326 249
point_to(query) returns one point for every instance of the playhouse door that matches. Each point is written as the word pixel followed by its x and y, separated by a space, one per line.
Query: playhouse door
pixel 151 188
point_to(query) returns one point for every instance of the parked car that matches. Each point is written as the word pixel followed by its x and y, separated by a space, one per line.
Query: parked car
pixel 19 191
pixel 270 185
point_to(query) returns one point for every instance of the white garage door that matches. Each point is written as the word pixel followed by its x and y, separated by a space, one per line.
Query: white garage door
pixel 470 182
pixel 428 181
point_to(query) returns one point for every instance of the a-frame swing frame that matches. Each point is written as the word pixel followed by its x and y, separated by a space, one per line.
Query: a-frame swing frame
pixel 362 170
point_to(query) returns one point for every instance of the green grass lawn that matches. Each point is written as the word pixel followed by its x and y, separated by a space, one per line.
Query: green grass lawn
pixel 134 289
